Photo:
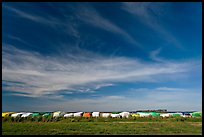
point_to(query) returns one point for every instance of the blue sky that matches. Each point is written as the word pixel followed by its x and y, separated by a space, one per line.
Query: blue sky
pixel 119 56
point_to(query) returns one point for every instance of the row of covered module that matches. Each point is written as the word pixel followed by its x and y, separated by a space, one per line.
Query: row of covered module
pixel 64 114
pixel 101 114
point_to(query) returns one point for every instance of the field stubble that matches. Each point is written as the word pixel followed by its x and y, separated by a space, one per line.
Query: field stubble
pixel 104 126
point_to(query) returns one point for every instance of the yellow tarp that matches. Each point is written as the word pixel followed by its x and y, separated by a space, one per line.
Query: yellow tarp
pixel 6 114
pixel 135 115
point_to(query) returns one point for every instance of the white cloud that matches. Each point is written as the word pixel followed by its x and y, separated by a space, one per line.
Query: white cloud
pixel 169 89
pixel 84 13
pixel 32 17
pixel 40 75
pixel 18 39
pixel 181 100
pixel 89 15
pixel 65 25
pixel 154 55
pixel 103 85
pixel 115 97
pixel 151 14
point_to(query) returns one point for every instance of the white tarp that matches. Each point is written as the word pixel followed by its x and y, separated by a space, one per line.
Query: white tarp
pixel 78 114
pixel 58 114
pixel 105 114
pixel 178 113
pixel 124 114
pixel 115 115
pixel 69 115
pixel 143 114
pixel 95 114
pixel 17 114
pixel 165 115
pixel 26 114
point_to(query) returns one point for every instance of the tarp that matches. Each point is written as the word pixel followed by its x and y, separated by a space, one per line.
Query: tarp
pixel 26 114
pixel 176 114
pixel 47 114
pixel 144 114
pixel 154 114
pixel 17 114
pixel 95 114
pixel 115 112
pixel 41 113
pixel 135 115
pixel 87 114
pixel 196 114
pixel 35 114
pixel 78 114
pixel 6 114
pixel 115 115
pixel 165 115
pixel 69 115
pixel 124 114
pixel 105 114
pixel 58 114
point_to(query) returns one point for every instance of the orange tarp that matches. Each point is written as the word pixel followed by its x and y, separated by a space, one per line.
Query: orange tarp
pixel 87 114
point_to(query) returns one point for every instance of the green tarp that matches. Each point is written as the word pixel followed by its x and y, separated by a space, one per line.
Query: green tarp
pixel 41 113
pixel 196 114
pixel 35 114
pixel 115 112
pixel 176 115
pixel 47 114
pixel 154 114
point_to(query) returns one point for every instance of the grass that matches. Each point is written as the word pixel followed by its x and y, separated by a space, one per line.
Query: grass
pixel 104 126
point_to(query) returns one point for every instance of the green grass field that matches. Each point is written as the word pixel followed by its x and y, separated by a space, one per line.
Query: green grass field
pixel 101 126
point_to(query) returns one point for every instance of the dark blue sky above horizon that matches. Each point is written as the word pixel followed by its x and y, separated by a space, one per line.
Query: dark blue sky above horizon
pixel 98 56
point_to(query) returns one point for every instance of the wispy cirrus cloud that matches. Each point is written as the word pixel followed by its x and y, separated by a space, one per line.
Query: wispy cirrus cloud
pixel 36 18
pixel 154 55
pixel 37 75
pixel 48 20
pixel 104 85
pixel 91 16
pixel 86 14
pixel 169 89
pixel 18 39
pixel 151 15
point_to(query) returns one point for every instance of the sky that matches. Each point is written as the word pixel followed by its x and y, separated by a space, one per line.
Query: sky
pixel 98 56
